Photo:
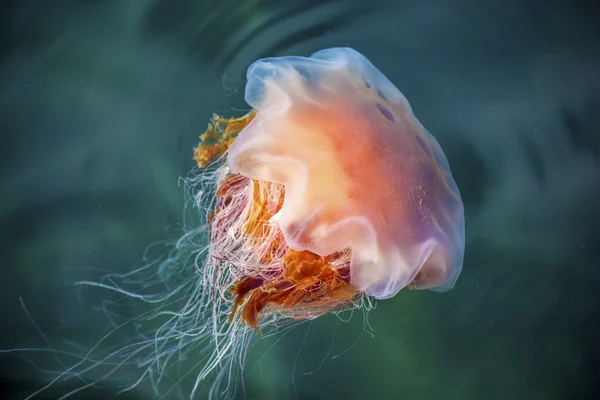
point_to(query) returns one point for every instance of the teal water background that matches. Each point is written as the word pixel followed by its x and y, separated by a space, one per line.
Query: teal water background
pixel 101 103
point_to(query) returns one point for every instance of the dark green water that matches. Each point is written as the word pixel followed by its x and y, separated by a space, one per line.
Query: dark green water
pixel 101 103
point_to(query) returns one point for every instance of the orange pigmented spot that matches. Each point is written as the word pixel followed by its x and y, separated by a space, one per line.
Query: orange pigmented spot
pixel 306 281
pixel 219 136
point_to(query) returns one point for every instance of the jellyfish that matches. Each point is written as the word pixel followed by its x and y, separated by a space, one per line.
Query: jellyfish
pixel 328 193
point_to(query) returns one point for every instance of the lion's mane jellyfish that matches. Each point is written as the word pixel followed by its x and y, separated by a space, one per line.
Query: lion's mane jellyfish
pixel 327 193
pixel 331 189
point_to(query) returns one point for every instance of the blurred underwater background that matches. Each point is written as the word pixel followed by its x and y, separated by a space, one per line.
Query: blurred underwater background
pixel 102 102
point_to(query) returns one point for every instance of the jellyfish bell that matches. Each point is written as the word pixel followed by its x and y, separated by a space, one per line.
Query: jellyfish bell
pixel 356 197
